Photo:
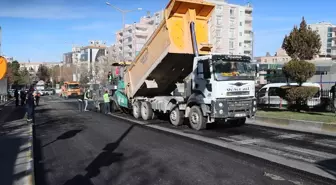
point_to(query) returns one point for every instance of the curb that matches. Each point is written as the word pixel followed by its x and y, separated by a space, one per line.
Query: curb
pixel 296 125
pixel 31 180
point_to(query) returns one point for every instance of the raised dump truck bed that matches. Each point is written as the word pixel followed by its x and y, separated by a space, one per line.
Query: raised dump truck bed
pixel 167 57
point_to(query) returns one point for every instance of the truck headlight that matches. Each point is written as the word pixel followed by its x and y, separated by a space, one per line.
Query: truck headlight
pixel 254 109
pixel 254 102
pixel 220 104
pixel 221 111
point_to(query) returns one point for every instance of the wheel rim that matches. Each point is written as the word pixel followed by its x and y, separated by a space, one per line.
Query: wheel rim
pixel 194 118
pixel 173 115
pixel 136 111
pixel 145 111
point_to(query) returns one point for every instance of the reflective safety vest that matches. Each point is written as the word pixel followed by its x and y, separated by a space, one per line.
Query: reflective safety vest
pixel 106 98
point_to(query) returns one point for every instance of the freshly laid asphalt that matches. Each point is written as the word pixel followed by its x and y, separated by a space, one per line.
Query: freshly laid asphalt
pixel 88 148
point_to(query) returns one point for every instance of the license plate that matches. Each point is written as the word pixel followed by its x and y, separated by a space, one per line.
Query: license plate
pixel 240 115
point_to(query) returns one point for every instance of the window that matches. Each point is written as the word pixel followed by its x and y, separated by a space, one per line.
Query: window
pixel 273 91
pixel 231 12
pixel 232 22
pixel 240 33
pixel 219 20
pixel 232 33
pixel 219 7
pixel 329 34
pixel 218 33
pixel 330 29
pixel 241 23
pixel 231 44
pixel 240 44
pixel 262 92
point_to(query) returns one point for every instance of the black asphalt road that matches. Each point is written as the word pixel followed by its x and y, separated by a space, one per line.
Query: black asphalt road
pixel 91 148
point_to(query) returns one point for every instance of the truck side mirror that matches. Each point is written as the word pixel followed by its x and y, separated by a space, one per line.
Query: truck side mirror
pixel 257 68
pixel 206 69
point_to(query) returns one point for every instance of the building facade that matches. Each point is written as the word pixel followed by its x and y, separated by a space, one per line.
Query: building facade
pixel 333 44
pixel 230 28
pixel 325 30
pixel 33 66
pixel 280 57
pixel 131 39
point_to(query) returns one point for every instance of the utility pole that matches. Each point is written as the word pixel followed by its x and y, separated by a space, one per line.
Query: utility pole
pixel 123 12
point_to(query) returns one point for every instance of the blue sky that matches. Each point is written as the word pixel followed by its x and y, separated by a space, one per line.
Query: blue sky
pixel 41 30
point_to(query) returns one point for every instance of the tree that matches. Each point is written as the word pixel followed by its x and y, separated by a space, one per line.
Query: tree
pixel 24 77
pixel 299 71
pixel 43 73
pixel 84 79
pixel 10 75
pixel 302 43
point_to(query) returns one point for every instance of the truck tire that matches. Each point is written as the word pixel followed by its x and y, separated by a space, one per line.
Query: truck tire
pixel 146 111
pixel 137 109
pixel 238 122
pixel 196 118
pixel 176 117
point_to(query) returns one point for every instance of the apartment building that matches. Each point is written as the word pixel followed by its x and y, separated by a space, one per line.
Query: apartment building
pixel 230 28
pixel 325 30
pixel 333 44
pixel 89 55
pixel 131 39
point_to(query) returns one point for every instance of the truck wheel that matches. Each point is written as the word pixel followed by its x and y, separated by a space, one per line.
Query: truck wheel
pixel 137 109
pixel 176 117
pixel 238 122
pixel 146 111
pixel 196 118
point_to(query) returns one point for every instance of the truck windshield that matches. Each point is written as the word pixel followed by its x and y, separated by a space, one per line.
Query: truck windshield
pixel 73 86
pixel 233 70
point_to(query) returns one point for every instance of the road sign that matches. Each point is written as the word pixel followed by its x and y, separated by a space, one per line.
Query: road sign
pixel 3 67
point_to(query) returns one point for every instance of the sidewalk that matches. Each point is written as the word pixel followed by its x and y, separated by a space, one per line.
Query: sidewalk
pixel 16 157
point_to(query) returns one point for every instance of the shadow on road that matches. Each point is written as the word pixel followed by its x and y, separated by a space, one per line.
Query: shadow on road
pixel 17 114
pixel 39 169
pixel 66 135
pixel 104 159
pixel 328 166
pixel 10 149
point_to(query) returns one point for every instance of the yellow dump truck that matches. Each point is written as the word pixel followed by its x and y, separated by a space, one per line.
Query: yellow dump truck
pixel 214 87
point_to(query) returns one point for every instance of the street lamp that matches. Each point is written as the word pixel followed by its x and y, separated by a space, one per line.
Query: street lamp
pixel 123 12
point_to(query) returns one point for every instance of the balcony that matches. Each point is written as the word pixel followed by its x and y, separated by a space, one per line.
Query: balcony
pixel 141 33
pixel 248 18
pixel 248 37
pixel 248 27
pixel 142 27
pixel 248 48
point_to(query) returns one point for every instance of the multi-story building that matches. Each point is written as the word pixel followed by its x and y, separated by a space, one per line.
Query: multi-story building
pixel 325 30
pixel 89 55
pixel 33 66
pixel 230 28
pixel 280 57
pixel 131 39
pixel 333 44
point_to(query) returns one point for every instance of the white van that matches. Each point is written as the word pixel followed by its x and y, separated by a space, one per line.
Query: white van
pixel 268 95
